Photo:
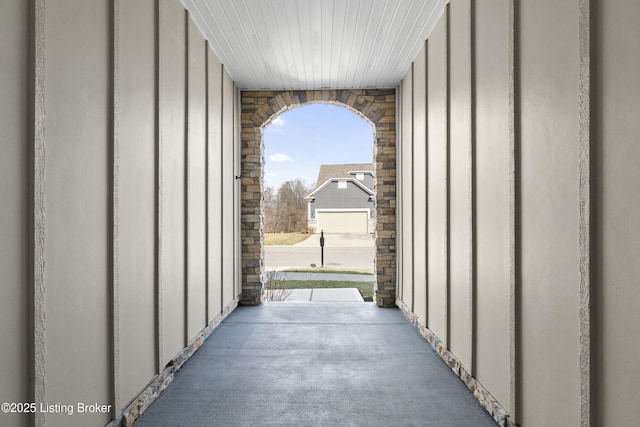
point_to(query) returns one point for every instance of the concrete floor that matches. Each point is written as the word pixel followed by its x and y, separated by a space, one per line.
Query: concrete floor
pixel 315 364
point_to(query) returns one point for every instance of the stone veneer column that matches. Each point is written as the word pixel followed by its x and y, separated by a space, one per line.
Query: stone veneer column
pixel 259 108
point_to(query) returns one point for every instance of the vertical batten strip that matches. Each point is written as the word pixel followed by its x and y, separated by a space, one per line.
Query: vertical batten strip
pixel 238 237
pixel 233 192
pixel 514 207
pixel 115 203
pixel 38 121
pixel 426 179
pixel 472 188
pixel 187 181
pixel 159 193
pixel 584 198
pixel 399 195
pixel 413 195
pixel 236 198
pixel 447 177
pixel 400 204
pixel 222 95
pixel 206 182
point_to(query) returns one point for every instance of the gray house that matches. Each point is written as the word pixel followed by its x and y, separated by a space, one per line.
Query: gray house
pixel 343 200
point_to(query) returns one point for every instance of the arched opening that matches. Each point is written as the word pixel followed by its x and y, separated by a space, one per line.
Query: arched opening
pixel 304 147
pixel 318 185
pixel 261 108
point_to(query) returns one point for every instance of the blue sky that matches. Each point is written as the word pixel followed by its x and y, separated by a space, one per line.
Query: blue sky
pixel 298 141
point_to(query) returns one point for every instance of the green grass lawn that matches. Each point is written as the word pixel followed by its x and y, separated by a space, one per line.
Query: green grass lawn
pixel 365 288
pixel 329 270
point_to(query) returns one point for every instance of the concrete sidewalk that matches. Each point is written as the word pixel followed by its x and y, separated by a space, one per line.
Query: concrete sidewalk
pixel 324 295
pixel 315 364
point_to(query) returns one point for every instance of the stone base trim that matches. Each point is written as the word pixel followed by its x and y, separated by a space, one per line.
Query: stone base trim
pixel 383 300
pixel 150 393
pixel 252 293
pixel 486 400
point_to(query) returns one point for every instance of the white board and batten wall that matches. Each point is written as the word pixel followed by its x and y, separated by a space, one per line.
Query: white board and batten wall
pixel 119 236
pixel 517 205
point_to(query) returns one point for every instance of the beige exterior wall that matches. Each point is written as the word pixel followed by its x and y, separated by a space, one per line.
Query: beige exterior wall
pixel 172 74
pixel 14 207
pixel 420 171
pixel 405 173
pixel 492 204
pixel 537 220
pixel 135 269
pixel 436 190
pixel 460 205
pixel 214 187
pixel 196 182
pixel 76 203
pixel 617 224
pixel 228 189
pixel 111 272
pixel 550 228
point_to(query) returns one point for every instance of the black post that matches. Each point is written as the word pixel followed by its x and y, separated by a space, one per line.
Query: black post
pixel 322 248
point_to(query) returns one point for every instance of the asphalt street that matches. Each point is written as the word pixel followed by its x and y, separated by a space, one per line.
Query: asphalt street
pixel 340 251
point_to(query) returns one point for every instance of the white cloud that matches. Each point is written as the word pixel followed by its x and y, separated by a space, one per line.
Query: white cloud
pixel 278 122
pixel 280 157
pixel 272 174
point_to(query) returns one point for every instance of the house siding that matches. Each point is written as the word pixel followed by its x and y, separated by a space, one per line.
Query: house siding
pixel 368 180
pixel 332 197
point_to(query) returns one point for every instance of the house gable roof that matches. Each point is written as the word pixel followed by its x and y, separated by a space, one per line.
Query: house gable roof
pixel 358 184
pixel 341 171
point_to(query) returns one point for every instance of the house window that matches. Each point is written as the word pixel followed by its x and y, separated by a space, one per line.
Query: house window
pixel 360 176
pixel 342 184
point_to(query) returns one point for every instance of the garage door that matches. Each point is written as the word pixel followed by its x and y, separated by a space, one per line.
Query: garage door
pixel 342 222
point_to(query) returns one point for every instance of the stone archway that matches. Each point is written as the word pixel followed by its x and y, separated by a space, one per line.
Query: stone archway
pixel 259 108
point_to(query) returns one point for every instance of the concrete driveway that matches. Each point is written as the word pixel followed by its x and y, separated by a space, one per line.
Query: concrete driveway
pixel 340 250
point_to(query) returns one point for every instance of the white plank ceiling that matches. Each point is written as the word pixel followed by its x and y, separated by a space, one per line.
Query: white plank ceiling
pixel 316 44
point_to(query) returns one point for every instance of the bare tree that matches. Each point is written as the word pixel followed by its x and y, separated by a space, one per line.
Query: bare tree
pixel 270 210
pixel 286 211
pixel 293 207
